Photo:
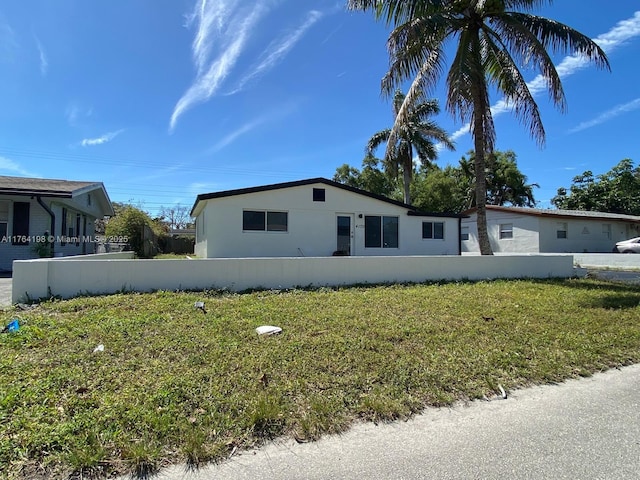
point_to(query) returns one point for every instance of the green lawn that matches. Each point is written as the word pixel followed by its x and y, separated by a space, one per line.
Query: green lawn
pixel 174 384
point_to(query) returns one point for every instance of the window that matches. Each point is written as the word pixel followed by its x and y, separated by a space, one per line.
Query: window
pixel 506 231
pixel 380 232
pixel 434 230
pixel 255 220
pixel 318 194
pixel 606 230
pixel 561 232
pixel 20 234
pixel 4 219
pixel 464 233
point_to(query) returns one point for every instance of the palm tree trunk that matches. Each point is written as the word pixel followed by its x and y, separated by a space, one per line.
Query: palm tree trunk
pixel 406 178
pixel 481 181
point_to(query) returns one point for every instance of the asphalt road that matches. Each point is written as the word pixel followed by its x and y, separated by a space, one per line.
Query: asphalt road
pixel 581 429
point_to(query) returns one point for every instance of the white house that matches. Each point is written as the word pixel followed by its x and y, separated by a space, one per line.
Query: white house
pixel 530 230
pixel 317 217
pixel 57 213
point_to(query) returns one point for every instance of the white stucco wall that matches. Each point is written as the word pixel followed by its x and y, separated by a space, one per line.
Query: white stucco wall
pixel 525 233
pixel 584 236
pixel 67 277
pixel 312 226
pixel 538 234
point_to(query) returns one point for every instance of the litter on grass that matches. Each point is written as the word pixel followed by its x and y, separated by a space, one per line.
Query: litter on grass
pixel 12 326
pixel 200 306
pixel 99 348
pixel 268 330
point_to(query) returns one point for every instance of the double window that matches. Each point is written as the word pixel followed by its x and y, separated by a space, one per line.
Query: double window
pixel 261 220
pixel 433 230
pixel 380 231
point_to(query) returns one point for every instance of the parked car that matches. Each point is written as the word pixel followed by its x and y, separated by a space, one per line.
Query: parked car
pixel 628 246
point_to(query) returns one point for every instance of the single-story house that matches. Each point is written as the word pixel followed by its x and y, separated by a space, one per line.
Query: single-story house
pixel 40 216
pixel 317 217
pixel 532 230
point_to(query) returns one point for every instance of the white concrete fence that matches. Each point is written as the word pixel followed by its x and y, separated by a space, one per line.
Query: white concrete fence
pixel 109 273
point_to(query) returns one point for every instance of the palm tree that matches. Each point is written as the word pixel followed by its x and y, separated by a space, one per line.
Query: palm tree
pixel 417 133
pixel 493 38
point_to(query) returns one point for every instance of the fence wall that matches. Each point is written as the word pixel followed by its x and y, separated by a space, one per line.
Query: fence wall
pixel 621 261
pixel 68 277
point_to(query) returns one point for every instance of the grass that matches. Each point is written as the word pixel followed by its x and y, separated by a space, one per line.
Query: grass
pixel 174 256
pixel 174 384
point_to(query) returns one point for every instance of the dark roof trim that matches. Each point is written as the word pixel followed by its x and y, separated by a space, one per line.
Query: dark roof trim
pixel 298 183
pixel 31 192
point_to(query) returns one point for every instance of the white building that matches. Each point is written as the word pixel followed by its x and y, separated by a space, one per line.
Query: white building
pixel 530 230
pixel 317 217
pixel 57 213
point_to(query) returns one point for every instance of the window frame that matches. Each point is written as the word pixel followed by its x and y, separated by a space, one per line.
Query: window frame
pixel 4 220
pixel 464 234
pixel 505 231
pixel 432 233
pixel 377 230
pixel 319 194
pixel 266 225
pixel 562 231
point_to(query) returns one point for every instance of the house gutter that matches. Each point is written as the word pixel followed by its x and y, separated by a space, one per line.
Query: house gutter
pixel 52 232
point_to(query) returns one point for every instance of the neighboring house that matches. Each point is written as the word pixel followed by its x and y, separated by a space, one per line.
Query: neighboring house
pixel 317 217
pixel 530 230
pixel 56 214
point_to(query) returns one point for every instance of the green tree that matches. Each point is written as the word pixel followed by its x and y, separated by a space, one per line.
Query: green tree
pixel 506 184
pixel 493 40
pixel 371 178
pixel 134 224
pixel 440 190
pixel 417 134
pixel 452 189
pixel 617 191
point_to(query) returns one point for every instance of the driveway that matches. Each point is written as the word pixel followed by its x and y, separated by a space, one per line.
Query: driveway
pixel 5 290
pixel 587 428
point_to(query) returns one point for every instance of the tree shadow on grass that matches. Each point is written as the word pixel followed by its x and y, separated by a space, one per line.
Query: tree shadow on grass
pixel 618 295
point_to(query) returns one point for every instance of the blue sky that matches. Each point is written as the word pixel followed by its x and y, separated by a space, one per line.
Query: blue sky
pixel 163 100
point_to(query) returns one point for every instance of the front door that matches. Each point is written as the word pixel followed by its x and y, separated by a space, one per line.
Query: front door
pixel 344 234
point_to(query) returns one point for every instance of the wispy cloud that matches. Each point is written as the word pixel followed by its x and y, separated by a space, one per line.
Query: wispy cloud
pixel 8 42
pixel 224 29
pixel 608 115
pixel 75 112
pixel 278 49
pixel 107 137
pixel 44 62
pixel 282 111
pixel 9 166
pixel 609 41
pixel 211 18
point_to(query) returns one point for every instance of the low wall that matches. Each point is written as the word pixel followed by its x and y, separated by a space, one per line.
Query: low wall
pixel 33 279
pixel 616 261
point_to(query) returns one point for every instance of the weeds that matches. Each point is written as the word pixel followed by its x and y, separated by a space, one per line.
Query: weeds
pixel 176 385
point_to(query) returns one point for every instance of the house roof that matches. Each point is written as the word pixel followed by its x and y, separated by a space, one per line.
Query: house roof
pixel 45 187
pixel 310 181
pixel 569 214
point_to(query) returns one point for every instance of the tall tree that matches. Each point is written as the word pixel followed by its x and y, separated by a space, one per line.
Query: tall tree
pixel 416 134
pixel 371 178
pixel 506 184
pixel 493 39
pixel 617 191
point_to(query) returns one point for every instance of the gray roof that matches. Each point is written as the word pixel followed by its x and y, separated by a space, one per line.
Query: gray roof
pixel 563 213
pixel 44 186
